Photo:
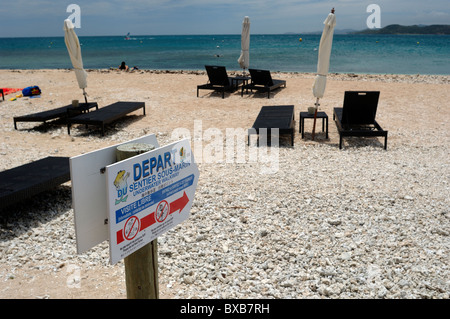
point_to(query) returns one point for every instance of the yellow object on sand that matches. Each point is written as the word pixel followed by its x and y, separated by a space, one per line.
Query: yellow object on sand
pixel 12 99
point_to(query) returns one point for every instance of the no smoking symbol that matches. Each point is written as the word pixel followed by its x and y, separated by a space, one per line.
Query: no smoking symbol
pixel 131 228
pixel 162 211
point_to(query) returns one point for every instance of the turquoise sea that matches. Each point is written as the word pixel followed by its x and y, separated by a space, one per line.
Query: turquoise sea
pixel 375 54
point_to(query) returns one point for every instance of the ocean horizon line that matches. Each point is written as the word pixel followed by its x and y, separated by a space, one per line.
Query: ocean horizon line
pixel 313 33
pixel 157 35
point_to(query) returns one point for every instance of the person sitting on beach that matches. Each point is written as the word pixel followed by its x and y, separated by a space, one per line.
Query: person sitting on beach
pixel 123 66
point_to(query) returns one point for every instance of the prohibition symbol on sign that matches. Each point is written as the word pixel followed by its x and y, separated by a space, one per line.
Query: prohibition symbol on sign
pixel 162 211
pixel 131 228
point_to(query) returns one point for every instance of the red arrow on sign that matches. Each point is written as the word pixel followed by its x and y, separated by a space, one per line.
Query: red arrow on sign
pixel 178 204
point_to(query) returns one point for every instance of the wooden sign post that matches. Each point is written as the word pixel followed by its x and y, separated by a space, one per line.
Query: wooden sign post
pixel 141 272
pixel 141 267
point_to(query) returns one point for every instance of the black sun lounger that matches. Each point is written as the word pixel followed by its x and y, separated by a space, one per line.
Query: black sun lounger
pixel 271 117
pixel 20 183
pixel 105 115
pixel 218 80
pixel 357 116
pixel 261 80
pixel 58 113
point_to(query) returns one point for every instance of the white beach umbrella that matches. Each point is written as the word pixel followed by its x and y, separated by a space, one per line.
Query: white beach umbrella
pixel 323 62
pixel 74 49
pixel 244 59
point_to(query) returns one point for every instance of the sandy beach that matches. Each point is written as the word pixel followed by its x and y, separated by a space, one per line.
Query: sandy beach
pixel 360 222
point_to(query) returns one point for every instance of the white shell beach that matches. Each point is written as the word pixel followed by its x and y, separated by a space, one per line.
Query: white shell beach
pixel 358 223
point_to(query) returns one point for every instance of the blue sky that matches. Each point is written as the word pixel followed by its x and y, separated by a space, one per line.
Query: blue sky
pixel 31 18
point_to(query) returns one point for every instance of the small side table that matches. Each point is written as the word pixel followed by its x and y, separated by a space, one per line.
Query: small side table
pixel 306 115
pixel 235 80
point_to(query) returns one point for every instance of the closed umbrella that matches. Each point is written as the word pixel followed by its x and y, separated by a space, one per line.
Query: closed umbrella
pixel 74 49
pixel 323 62
pixel 244 58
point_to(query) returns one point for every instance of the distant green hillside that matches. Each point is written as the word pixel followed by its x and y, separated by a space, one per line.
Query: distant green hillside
pixel 414 29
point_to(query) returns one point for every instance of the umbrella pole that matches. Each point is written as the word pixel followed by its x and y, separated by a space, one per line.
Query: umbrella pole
pixel 85 94
pixel 315 117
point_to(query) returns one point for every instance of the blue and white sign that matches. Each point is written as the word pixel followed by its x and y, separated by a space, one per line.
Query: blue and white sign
pixel 149 194
pixel 89 193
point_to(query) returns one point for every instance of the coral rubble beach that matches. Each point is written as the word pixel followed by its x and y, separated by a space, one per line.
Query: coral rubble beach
pixel 360 222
